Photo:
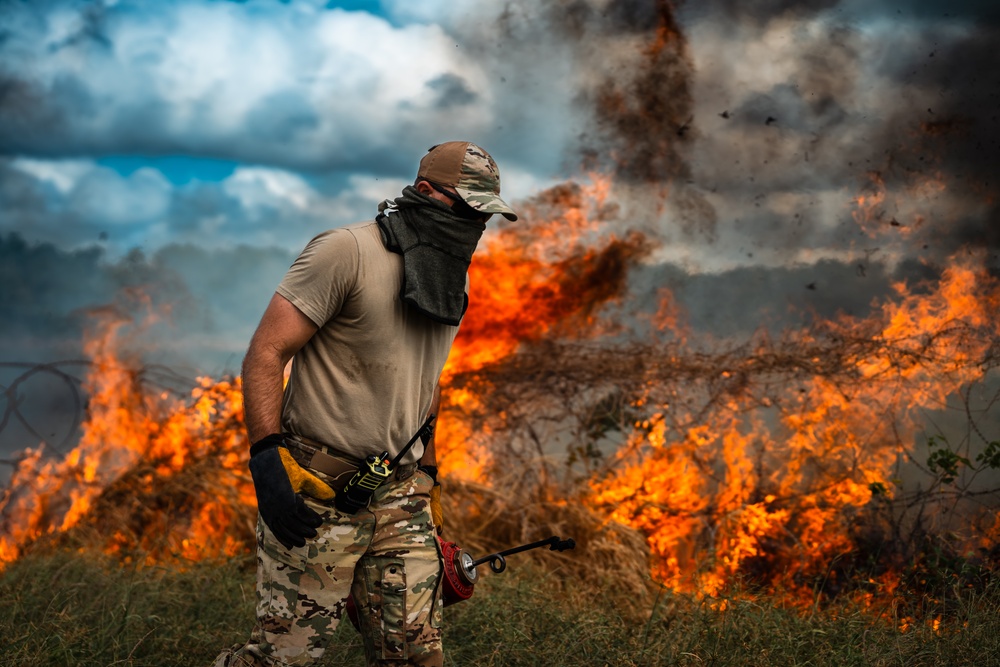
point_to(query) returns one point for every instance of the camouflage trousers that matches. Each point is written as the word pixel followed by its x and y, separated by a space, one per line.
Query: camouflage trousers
pixel 386 556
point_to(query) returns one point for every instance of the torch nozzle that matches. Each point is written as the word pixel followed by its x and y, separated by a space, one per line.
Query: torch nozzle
pixel 498 564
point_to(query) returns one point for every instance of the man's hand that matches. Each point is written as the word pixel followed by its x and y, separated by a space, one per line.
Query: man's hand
pixel 278 480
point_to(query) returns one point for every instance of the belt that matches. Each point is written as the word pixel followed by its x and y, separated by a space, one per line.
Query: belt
pixel 312 454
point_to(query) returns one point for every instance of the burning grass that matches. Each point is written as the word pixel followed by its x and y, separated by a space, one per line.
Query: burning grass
pixel 794 467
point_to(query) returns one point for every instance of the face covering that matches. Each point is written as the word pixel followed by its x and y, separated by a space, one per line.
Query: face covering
pixel 436 246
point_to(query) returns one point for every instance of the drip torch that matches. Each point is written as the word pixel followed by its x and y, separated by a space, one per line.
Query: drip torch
pixel 460 574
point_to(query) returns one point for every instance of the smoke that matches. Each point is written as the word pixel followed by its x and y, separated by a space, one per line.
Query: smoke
pixel 791 159
pixel 197 307
pixel 738 304
pixel 788 160
pixel 845 96
pixel 958 135
pixel 747 133
pixel 627 71
pixel 189 311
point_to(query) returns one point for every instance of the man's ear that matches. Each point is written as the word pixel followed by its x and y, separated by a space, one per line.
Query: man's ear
pixel 423 187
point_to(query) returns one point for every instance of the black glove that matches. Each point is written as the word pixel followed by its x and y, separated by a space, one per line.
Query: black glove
pixel 282 509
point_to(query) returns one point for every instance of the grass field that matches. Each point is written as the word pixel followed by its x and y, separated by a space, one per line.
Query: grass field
pixel 81 609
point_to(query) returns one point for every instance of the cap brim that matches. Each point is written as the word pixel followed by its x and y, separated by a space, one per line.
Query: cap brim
pixel 487 202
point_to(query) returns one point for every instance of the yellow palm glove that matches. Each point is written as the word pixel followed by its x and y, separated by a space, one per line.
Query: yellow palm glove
pixel 302 480
pixel 437 516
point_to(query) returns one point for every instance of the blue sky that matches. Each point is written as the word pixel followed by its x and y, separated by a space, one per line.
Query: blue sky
pixel 178 169
pixel 122 113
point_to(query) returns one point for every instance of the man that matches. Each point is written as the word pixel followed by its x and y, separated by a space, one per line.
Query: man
pixel 367 314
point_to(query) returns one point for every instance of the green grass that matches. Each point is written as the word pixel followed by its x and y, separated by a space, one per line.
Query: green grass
pixel 84 610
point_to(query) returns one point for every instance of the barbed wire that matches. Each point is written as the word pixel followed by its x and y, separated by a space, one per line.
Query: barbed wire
pixel 71 374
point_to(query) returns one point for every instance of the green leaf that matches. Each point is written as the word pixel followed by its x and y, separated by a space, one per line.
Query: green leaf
pixel 990 457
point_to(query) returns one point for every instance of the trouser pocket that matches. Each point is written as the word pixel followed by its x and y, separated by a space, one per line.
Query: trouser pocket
pixel 383 605
pixel 279 582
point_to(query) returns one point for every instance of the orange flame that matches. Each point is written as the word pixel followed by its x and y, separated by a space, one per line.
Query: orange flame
pixel 544 275
pixel 133 433
pixel 529 280
pixel 761 483
pixel 741 488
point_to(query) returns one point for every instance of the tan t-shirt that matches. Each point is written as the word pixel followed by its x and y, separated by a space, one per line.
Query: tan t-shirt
pixel 364 382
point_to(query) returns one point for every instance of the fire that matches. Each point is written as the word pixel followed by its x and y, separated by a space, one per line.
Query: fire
pixel 777 464
pixel 125 471
pixel 869 211
pixel 171 475
pixel 545 275
pixel 529 277
pixel 769 478
pixel 757 464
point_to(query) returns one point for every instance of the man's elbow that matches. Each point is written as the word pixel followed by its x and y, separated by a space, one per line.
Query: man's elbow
pixel 262 356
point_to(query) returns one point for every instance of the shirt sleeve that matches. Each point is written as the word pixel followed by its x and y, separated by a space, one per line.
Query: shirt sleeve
pixel 323 276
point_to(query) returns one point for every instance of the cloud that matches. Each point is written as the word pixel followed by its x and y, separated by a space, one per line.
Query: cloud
pixel 323 112
pixel 296 86
pixel 61 175
pixel 79 203
pixel 104 196
pixel 257 188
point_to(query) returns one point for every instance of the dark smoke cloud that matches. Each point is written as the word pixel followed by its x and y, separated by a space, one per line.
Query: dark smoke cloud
pixel 736 134
pixel 743 136
pixel 896 103
pixel 206 302
pixel 735 305
pixel 958 131
pixel 759 12
pixel 191 313
pixel 640 106
pixel 977 12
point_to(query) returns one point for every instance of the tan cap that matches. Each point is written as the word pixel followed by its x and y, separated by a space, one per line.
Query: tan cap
pixel 471 171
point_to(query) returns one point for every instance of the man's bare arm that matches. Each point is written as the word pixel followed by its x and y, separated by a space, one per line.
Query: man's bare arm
pixel 282 332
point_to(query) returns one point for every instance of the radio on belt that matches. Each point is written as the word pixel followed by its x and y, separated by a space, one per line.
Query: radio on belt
pixel 372 473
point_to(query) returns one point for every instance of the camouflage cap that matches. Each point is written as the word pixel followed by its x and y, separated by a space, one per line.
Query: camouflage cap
pixel 471 171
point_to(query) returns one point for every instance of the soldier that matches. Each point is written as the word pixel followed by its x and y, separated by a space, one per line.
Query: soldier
pixel 367 314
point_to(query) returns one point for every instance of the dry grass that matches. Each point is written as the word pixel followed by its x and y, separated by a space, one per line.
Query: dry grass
pixel 86 610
